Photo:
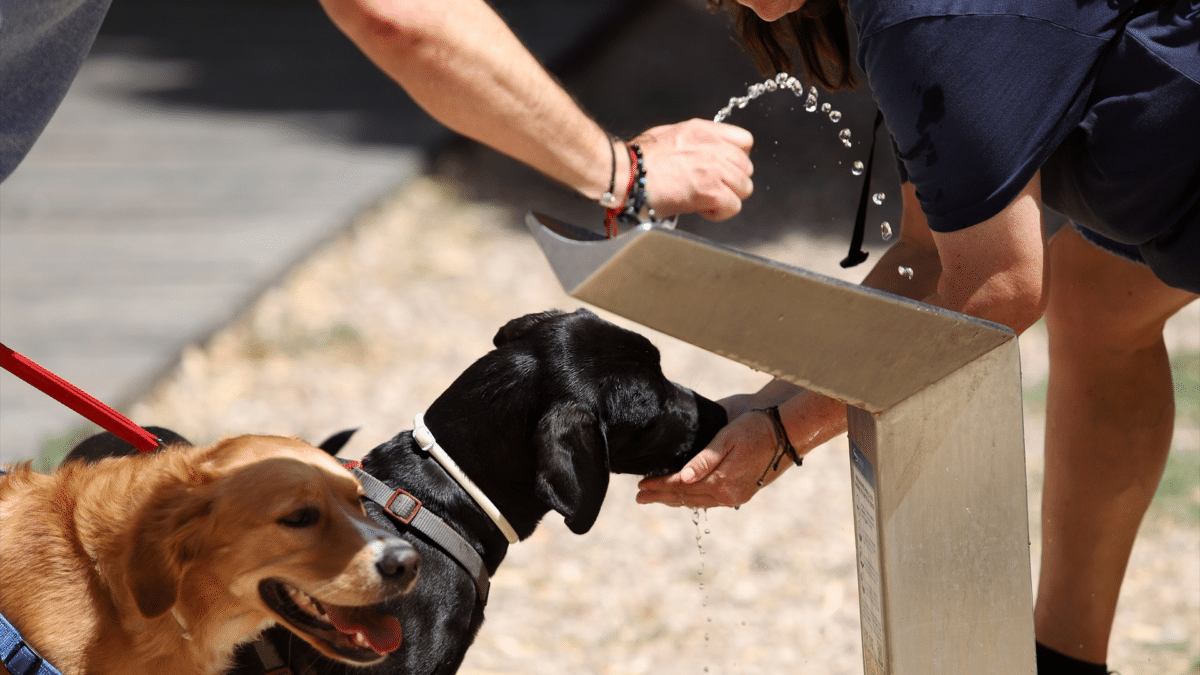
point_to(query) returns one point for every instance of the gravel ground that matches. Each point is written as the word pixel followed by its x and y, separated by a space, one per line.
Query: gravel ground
pixel 371 328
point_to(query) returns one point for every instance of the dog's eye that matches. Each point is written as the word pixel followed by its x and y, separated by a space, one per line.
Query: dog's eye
pixel 305 517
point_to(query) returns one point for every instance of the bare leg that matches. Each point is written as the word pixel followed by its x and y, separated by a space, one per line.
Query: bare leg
pixel 1110 415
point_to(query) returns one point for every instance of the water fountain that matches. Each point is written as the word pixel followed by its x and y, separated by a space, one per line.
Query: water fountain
pixel 935 428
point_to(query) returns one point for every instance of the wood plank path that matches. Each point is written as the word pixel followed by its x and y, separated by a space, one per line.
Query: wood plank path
pixel 203 149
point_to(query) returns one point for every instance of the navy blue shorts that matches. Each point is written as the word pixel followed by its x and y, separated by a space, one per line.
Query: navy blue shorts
pixel 1101 96
pixel 1127 251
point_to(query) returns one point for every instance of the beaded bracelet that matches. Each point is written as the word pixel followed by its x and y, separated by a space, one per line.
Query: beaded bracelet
pixel 637 209
pixel 637 205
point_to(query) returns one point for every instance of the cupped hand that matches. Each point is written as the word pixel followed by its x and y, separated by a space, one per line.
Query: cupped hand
pixel 697 166
pixel 726 473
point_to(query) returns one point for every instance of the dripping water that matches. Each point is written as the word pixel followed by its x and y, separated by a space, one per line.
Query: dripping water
pixel 700 532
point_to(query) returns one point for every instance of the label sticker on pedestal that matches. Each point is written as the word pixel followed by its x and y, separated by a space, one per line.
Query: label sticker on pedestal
pixel 870 585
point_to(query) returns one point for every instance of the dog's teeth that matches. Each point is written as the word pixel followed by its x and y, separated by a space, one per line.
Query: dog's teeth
pixel 307 603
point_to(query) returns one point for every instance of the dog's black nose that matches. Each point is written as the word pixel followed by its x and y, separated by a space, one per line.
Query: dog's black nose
pixel 398 564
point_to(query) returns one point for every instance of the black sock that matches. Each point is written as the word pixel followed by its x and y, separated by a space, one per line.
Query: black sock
pixel 1050 662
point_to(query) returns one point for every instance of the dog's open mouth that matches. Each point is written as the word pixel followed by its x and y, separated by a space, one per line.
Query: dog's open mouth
pixel 356 634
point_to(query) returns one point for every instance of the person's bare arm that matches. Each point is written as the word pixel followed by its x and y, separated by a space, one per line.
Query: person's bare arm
pixel 463 65
pixel 997 270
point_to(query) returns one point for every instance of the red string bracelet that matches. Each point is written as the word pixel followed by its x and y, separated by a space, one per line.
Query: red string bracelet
pixel 610 215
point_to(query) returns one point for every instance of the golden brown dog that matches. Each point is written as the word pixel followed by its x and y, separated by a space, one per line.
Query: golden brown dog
pixel 163 563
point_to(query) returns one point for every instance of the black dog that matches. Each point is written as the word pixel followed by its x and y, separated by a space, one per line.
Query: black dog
pixel 538 424
pixel 97 447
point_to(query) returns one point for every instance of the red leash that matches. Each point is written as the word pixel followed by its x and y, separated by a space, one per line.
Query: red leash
pixel 78 400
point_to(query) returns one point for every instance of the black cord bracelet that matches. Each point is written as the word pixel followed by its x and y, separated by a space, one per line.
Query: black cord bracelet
pixel 609 200
pixel 783 444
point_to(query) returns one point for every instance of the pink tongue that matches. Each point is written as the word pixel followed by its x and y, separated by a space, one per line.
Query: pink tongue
pixel 382 631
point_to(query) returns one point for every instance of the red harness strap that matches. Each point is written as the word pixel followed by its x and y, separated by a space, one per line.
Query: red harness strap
pixel 78 400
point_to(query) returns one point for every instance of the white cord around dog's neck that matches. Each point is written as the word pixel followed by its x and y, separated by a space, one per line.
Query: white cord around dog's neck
pixel 424 438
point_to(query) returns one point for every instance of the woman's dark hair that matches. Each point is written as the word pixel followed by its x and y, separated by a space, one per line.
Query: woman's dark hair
pixel 818 31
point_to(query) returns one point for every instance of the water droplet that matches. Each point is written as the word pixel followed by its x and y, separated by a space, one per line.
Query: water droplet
pixel 906 272
pixel 810 105
pixel 742 101
pixel 781 78
pixel 877 197
pixel 885 229
pixel 835 116
pixel 844 134
pixel 826 107
pixel 856 168
pixel 771 85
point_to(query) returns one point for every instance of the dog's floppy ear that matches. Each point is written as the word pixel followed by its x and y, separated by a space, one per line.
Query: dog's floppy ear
pixel 166 536
pixel 519 326
pixel 572 465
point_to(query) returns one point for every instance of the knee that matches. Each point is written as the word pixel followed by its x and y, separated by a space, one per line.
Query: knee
pixel 1090 325
pixel 1098 300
